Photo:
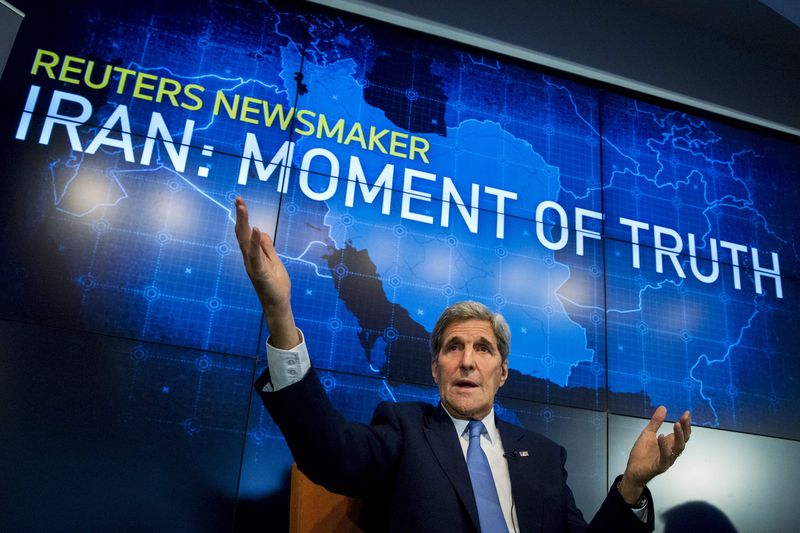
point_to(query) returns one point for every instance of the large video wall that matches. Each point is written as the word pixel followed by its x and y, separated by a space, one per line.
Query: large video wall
pixel 642 255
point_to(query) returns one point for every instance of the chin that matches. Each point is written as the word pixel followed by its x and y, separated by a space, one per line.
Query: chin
pixel 466 410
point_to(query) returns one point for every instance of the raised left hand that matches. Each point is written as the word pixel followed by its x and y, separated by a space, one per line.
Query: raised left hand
pixel 653 454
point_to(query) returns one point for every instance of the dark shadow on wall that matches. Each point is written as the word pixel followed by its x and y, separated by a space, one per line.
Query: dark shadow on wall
pixel 696 516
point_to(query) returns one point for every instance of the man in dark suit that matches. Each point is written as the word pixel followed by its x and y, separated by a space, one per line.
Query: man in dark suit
pixel 453 467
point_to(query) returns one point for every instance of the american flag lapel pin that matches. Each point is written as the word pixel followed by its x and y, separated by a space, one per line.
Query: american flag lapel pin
pixel 523 453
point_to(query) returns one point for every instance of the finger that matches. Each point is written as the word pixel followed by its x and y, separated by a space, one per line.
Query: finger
pixel 657 419
pixel 686 424
pixel 254 253
pixel 242 227
pixel 664 449
pixel 268 247
pixel 680 441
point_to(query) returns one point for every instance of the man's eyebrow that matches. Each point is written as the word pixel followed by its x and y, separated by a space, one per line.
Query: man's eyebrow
pixel 484 340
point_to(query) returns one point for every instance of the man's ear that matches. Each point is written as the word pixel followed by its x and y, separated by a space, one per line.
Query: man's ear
pixel 434 369
pixel 503 372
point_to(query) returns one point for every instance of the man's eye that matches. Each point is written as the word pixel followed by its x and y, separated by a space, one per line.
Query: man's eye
pixel 483 348
pixel 452 347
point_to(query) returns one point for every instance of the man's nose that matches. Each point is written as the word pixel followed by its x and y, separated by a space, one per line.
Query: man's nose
pixel 468 359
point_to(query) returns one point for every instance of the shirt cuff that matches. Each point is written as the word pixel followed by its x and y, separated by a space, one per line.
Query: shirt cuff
pixel 641 512
pixel 287 366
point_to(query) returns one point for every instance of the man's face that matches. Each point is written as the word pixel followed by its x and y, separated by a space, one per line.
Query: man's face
pixel 468 369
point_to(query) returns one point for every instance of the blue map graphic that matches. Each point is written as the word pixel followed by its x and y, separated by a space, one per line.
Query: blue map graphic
pixel 677 337
pixel 146 251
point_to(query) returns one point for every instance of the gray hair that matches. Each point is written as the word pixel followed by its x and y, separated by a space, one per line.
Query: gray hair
pixel 471 310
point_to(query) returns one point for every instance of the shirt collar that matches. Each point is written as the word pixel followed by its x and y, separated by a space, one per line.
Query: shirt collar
pixel 488 422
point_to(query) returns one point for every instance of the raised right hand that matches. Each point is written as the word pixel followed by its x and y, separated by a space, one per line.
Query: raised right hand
pixel 269 278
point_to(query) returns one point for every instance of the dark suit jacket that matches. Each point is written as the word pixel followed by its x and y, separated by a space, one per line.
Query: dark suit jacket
pixel 409 468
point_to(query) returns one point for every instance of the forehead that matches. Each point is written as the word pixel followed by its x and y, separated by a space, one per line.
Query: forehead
pixel 472 329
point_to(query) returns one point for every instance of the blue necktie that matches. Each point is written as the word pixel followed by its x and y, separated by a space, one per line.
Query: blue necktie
pixel 490 514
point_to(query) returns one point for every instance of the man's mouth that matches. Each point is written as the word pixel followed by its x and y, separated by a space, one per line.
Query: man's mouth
pixel 465 384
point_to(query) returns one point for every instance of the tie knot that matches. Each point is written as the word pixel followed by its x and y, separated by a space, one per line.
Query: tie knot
pixel 476 428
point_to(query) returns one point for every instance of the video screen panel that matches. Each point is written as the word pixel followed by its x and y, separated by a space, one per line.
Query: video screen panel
pixel 398 173
pixel 110 434
pixel 726 354
pixel 701 186
pixel 701 267
pixel 125 162
pixel 129 251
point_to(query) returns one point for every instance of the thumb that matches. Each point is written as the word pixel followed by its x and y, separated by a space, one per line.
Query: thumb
pixel 657 419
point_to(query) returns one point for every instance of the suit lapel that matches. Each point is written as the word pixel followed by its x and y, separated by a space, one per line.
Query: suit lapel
pixel 522 470
pixel 441 435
